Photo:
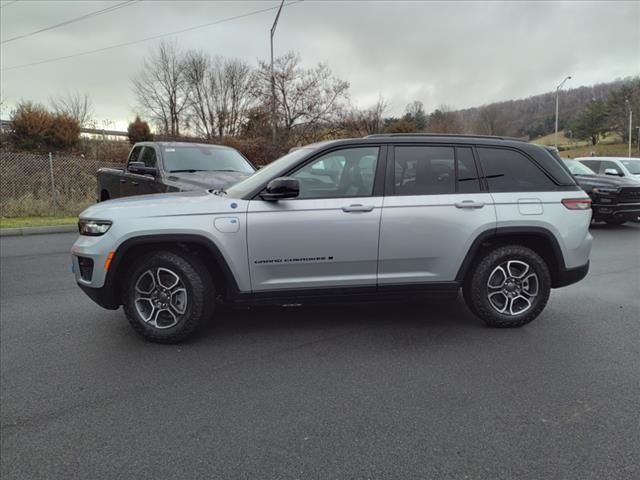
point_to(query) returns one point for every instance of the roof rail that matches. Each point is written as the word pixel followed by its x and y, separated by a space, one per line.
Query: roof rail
pixel 457 135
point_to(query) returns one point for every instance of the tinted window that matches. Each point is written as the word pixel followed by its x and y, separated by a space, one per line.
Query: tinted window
pixel 468 181
pixel 135 153
pixel 592 164
pixel 511 171
pixel 344 173
pixel 148 157
pixel 424 170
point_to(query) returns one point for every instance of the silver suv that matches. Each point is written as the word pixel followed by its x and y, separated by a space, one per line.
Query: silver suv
pixel 386 216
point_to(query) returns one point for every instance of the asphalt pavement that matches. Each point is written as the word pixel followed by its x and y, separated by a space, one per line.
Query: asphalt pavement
pixel 393 391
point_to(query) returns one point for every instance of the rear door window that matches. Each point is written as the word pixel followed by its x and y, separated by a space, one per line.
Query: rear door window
pixel 511 171
pixel 424 170
pixel 467 173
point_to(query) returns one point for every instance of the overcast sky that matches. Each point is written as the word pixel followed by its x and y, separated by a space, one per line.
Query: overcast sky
pixel 457 53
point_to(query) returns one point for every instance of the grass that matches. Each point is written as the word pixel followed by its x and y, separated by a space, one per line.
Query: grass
pixel 609 146
pixel 16 222
pixel 601 150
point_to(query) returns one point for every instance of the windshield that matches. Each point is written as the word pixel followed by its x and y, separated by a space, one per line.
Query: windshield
pixel 279 166
pixel 632 165
pixel 202 158
pixel 577 168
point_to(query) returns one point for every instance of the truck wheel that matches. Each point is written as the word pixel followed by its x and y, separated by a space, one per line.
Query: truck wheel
pixel 167 296
pixel 509 287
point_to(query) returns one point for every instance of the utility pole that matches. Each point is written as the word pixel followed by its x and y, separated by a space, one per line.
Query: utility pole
pixel 630 123
pixel 557 102
pixel 273 79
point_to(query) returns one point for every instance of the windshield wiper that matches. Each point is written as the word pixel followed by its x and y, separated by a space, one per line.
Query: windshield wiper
pixel 226 170
pixel 221 192
pixel 189 170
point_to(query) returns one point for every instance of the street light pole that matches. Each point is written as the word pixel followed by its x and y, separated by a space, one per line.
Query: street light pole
pixel 557 103
pixel 630 123
pixel 273 79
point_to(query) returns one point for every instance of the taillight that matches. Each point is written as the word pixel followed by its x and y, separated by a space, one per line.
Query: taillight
pixel 577 203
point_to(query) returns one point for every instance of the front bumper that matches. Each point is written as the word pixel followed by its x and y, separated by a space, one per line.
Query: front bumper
pixel 95 282
pixel 619 211
pixel 105 296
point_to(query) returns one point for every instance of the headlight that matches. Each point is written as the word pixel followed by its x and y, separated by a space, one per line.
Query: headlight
pixel 93 228
pixel 606 190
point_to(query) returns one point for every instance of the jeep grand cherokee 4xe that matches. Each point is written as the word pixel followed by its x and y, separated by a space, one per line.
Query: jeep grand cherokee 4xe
pixel 361 219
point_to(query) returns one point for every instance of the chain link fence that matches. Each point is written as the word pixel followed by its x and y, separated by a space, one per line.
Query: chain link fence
pixel 33 184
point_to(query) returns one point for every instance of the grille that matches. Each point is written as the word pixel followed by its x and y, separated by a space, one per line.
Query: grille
pixel 629 195
pixel 86 268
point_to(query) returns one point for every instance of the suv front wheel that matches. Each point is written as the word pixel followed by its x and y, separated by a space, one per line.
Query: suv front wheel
pixel 509 287
pixel 167 296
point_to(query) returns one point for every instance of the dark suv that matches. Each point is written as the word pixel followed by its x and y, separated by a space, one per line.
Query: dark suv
pixel 616 200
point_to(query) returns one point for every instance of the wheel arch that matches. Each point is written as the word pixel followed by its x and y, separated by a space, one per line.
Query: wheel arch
pixel 538 239
pixel 194 244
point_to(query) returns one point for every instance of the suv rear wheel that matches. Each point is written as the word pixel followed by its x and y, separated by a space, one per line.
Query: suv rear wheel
pixel 167 296
pixel 509 287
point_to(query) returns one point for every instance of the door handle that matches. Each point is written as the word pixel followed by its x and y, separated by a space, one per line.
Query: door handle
pixel 135 184
pixel 122 180
pixel 469 204
pixel 358 208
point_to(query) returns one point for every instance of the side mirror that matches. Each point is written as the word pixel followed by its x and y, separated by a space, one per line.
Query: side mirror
pixel 140 167
pixel 612 171
pixel 280 188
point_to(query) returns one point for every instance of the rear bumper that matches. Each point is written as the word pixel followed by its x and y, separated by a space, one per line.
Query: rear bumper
pixel 568 276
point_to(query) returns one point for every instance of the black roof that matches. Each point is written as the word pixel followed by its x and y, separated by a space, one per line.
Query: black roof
pixel 448 135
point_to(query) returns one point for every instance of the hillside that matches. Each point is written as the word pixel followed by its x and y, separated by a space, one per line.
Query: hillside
pixel 534 116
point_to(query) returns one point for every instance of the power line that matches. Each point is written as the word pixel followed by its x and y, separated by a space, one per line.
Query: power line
pixel 73 20
pixel 89 52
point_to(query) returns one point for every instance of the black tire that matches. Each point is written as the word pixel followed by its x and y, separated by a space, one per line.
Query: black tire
pixel 476 290
pixel 615 221
pixel 197 283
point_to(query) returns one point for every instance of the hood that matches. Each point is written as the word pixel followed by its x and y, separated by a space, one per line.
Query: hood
pixel 205 180
pixel 164 204
pixel 605 181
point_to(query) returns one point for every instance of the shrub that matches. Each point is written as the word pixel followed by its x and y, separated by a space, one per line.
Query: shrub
pixel 139 131
pixel 64 131
pixel 31 125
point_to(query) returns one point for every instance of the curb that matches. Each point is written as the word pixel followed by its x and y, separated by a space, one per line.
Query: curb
pixel 13 232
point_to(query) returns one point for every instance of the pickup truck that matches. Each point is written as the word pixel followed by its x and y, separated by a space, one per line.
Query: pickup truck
pixel 158 167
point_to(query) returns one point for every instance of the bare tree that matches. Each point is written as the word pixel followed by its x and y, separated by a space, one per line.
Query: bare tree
pixel 199 78
pixel 308 100
pixel 366 121
pixel 161 88
pixel 75 105
pixel 491 120
pixel 221 93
